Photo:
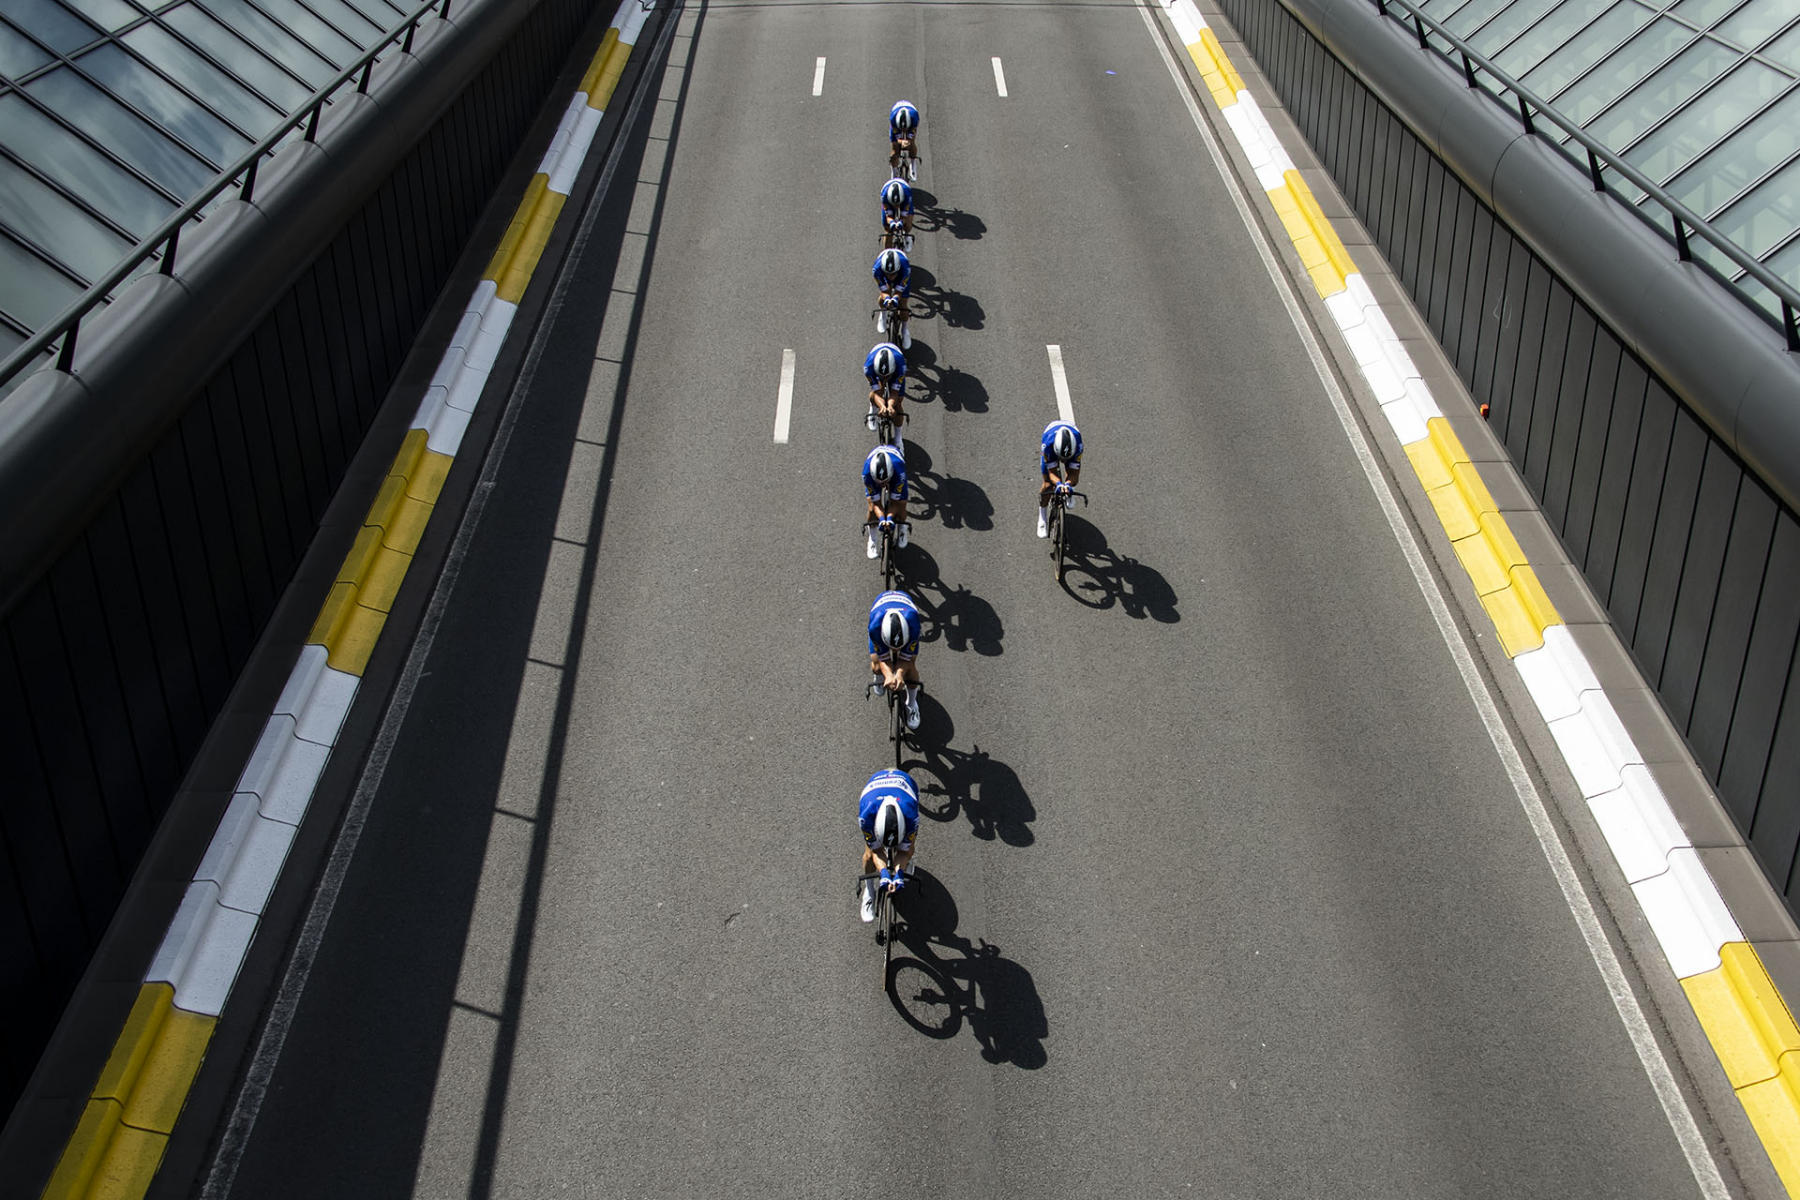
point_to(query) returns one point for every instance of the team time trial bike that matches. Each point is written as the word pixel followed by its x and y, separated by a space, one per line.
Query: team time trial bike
pixel 885 921
pixel 1060 499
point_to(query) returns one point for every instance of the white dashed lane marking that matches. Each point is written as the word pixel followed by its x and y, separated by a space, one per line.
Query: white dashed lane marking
pixel 784 396
pixel 1060 381
pixel 819 75
pixel 999 77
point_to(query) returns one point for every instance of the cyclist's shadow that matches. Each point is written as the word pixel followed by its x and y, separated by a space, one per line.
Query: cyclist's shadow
pixel 955 616
pixel 931 302
pixel 1098 576
pixel 951 502
pixel 956 390
pixel 946 979
pixel 929 218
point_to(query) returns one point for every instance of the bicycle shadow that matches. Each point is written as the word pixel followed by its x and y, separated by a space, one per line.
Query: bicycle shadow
pixel 947 980
pixel 956 390
pixel 929 218
pixel 932 302
pixel 956 616
pixel 971 783
pixel 1100 577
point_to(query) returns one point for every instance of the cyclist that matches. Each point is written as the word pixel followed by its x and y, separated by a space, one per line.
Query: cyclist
pixel 884 484
pixel 895 626
pixel 893 280
pixel 903 133
pixel 889 815
pixel 885 369
pixel 897 205
pixel 1060 465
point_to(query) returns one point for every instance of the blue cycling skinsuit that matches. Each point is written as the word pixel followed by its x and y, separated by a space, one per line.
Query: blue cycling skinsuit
pixel 894 130
pixel 906 205
pixel 891 784
pixel 896 488
pixel 1047 461
pixel 899 376
pixel 902 285
pixel 915 625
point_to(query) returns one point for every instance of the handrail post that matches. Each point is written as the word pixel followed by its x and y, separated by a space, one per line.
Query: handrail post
pixel 406 46
pixel 312 122
pixel 445 15
pixel 1594 170
pixel 249 189
pixel 1419 28
pixel 1468 67
pixel 362 87
pixel 1525 114
pixel 65 359
pixel 1790 324
pixel 168 262
pixel 1681 241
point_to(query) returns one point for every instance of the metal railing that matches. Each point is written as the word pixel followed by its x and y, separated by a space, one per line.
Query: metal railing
pixel 1683 224
pixel 241 174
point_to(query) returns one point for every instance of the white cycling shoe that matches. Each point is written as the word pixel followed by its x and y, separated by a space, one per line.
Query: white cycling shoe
pixel 866 903
pixel 912 714
pixel 1043 526
pixel 902 534
pixel 874 550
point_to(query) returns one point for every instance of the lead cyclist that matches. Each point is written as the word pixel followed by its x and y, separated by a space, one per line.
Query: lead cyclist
pixel 903 133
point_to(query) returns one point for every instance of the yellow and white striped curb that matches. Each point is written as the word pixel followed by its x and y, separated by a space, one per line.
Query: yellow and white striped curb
pixel 118 1143
pixel 1745 1018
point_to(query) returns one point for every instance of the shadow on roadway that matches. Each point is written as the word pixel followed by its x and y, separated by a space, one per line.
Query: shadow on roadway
pixel 929 218
pixel 1100 577
pixel 956 390
pixel 955 616
pixel 971 782
pixel 931 302
pixel 946 980
pixel 945 500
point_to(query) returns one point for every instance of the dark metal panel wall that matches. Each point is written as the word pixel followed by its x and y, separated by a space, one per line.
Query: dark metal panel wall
pixel 1695 559
pixel 114 664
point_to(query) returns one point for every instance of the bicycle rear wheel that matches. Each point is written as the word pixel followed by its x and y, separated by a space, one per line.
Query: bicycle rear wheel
pixel 887 935
pixel 1058 534
pixel 887 560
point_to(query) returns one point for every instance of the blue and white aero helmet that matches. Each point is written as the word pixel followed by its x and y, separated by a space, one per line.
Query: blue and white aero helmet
pixel 887 361
pixel 890 824
pixel 892 263
pixel 895 630
pixel 1064 444
pixel 904 116
pixel 884 466
pixel 895 193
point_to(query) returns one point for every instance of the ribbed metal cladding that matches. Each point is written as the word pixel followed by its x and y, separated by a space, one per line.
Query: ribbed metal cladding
pixel 115 663
pixel 1694 557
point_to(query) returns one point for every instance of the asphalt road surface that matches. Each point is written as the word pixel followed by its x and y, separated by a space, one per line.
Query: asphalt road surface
pixel 1223 891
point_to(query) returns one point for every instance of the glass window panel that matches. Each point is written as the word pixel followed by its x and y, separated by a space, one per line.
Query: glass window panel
pixel 1585 49
pixel 44 217
pixel 1657 96
pixel 1472 15
pixel 1754 22
pixel 385 16
pixel 1728 168
pixel 317 34
pixel 347 21
pixel 249 65
pixel 78 168
pixel 1703 12
pixel 18 54
pixel 50 23
pixel 1785 49
pixel 1669 148
pixel 1561 25
pixel 129 137
pixel 110 15
pixel 177 112
pixel 225 96
pixel 276 41
pixel 32 292
pixel 1498 33
pixel 1768 213
pixel 1623 69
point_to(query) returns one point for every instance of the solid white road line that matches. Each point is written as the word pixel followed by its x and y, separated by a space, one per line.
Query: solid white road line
pixel 999 76
pixel 1061 381
pixel 819 76
pixel 1606 960
pixel 784 397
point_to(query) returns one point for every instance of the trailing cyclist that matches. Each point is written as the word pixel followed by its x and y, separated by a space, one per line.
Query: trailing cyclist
pixel 897 214
pixel 888 813
pixel 893 283
pixel 903 133
pixel 885 369
pixel 895 626
pixel 1060 465
pixel 884 485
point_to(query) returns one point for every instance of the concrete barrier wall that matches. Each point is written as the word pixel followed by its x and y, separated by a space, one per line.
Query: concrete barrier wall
pixel 1695 555
pixel 117 657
